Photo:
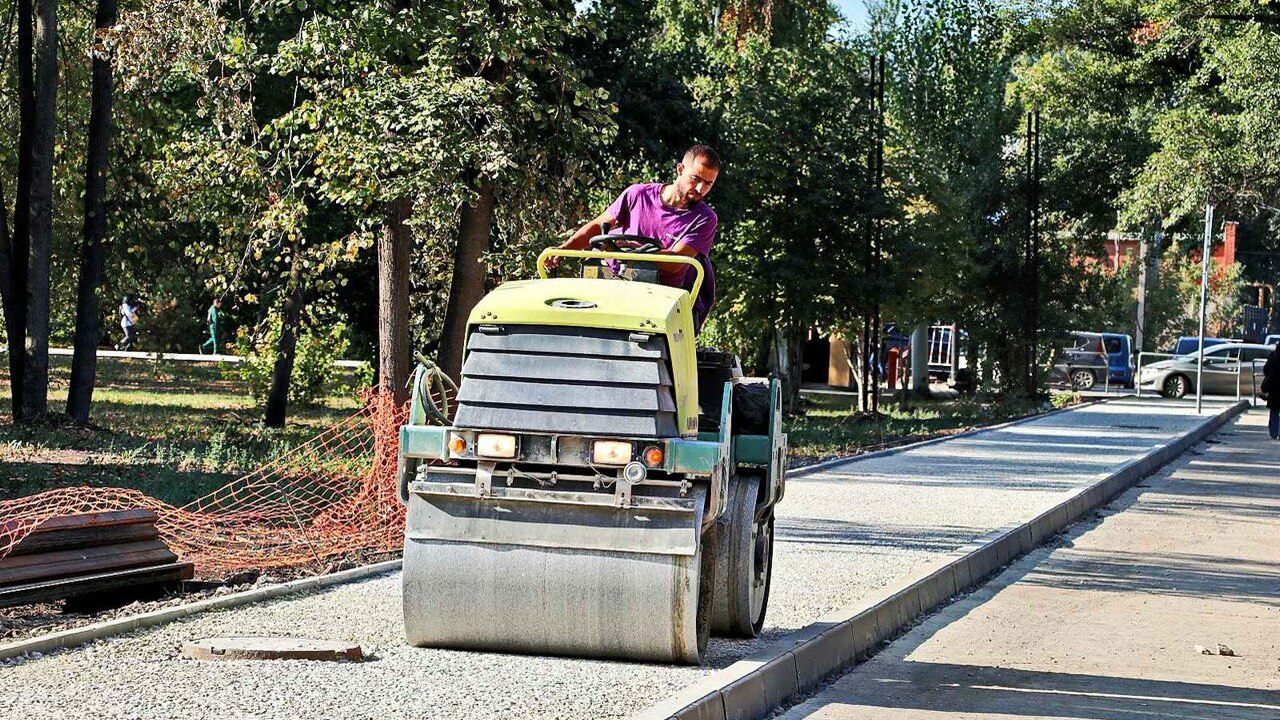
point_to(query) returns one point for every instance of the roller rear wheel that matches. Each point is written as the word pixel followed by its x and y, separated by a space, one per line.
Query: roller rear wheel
pixel 744 560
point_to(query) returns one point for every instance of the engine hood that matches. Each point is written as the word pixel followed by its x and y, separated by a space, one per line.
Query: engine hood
pixel 584 302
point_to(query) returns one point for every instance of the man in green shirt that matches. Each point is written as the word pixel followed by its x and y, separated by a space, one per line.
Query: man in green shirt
pixel 212 318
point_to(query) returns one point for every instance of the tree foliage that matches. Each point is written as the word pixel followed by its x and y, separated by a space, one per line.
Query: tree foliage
pixel 258 145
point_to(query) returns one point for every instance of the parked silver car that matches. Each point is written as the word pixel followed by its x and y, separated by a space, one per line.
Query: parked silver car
pixel 1226 368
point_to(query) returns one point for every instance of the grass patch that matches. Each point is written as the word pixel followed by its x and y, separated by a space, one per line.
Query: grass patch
pixel 177 431
pixel 830 428
pixel 174 430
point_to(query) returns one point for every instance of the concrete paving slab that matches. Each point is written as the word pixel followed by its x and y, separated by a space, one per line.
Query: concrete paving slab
pixel 1104 626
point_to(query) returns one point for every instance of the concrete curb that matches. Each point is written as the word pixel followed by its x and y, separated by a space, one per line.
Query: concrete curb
pixel 78 636
pixel 752 687
pixel 833 462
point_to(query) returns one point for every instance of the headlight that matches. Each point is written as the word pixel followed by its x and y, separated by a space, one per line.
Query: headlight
pixel 611 452
pixel 495 445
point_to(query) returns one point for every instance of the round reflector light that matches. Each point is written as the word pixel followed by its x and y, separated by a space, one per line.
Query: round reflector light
pixel 653 456
pixel 457 445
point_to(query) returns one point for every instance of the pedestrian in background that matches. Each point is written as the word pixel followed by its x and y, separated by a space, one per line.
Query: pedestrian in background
pixel 1271 390
pixel 212 318
pixel 128 323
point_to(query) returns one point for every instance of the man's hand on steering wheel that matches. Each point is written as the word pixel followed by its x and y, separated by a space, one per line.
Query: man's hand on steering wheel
pixel 625 243
pixel 620 243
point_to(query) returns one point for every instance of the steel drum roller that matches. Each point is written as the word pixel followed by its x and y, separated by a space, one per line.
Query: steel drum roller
pixel 601 581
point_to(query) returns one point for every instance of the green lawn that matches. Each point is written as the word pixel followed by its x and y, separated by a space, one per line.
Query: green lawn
pixel 178 431
pixel 173 430
pixel 830 428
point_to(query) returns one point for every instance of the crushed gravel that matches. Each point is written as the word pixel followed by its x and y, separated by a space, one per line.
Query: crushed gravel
pixel 841 535
pixel 25 621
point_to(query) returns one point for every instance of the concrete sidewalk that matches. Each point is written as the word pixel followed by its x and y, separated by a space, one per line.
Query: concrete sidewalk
pixel 1105 625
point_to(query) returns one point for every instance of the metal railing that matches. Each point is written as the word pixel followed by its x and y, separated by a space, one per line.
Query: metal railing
pixel 1232 368
pixel 1253 381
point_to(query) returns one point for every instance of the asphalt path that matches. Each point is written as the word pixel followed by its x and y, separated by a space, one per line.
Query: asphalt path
pixel 842 534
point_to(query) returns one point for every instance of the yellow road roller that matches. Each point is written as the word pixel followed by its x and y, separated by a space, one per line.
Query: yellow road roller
pixel 601 488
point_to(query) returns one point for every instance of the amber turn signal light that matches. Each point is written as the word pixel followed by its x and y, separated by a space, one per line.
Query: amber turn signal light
pixel 653 456
pixel 457 445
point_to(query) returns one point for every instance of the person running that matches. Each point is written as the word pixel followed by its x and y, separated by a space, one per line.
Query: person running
pixel 1271 390
pixel 212 318
pixel 674 215
pixel 128 323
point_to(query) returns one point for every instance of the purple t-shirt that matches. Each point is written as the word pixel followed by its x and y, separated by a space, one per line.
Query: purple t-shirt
pixel 639 210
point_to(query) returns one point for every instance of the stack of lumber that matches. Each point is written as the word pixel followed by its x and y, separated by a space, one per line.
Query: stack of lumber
pixel 102 553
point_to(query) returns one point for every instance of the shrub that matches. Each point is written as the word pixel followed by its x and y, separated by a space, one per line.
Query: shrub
pixel 314 378
pixel 1065 399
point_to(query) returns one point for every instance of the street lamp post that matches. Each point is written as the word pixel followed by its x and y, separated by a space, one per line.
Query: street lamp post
pixel 1204 296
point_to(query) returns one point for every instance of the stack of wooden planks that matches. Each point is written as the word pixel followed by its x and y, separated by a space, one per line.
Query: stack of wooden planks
pixel 94 554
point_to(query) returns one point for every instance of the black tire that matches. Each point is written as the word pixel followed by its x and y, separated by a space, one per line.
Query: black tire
pixel 744 560
pixel 764 572
pixel 715 368
pixel 707 587
pixel 1083 379
pixel 1176 386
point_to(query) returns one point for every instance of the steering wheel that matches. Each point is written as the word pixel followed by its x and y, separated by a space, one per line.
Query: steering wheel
pixel 625 243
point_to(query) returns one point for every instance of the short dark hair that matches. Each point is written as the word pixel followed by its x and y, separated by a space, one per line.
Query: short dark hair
pixel 705 153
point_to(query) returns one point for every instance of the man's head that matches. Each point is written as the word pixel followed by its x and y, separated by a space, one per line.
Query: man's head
pixel 696 173
pixel 217 302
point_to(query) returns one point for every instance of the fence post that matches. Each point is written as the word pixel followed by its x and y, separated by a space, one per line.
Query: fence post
pixel 1137 374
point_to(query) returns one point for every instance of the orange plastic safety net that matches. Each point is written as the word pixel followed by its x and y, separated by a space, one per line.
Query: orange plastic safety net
pixel 329 497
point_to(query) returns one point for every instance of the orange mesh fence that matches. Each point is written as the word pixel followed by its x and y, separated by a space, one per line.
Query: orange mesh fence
pixel 331 496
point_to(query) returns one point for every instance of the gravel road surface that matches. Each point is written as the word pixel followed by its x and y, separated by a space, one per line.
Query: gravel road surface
pixel 841 535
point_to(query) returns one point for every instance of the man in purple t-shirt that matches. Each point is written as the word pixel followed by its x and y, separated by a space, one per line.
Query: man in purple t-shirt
pixel 672 214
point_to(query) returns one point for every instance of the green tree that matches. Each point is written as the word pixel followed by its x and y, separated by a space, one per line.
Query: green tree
pixel 955 164
pixel 87 329
pixel 473 113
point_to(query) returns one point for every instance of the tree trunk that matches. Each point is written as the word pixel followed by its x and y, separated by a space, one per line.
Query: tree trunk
pixel 395 342
pixel 856 362
pixel 84 361
pixel 9 300
pixel 795 364
pixel 286 347
pixel 36 381
pixel 467 286
pixel 20 247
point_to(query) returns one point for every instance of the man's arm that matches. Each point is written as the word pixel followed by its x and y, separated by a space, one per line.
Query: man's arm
pixel 681 248
pixel 697 240
pixel 579 239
